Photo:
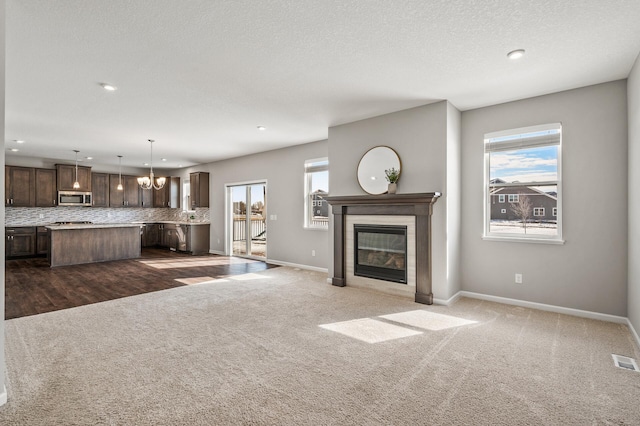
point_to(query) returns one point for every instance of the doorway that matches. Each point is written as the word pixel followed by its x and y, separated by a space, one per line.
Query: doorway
pixel 247 229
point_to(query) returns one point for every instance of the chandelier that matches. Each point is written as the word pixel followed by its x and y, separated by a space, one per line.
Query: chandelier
pixel 148 182
pixel 76 184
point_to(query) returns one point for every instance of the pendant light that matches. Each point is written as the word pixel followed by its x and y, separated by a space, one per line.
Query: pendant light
pixel 119 173
pixel 76 184
pixel 148 182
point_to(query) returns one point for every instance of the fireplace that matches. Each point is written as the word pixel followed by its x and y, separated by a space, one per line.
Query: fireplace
pixel 381 252
pixel 412 211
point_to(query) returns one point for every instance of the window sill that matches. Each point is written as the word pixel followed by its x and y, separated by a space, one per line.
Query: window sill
pixel 523 240
pixel 316 228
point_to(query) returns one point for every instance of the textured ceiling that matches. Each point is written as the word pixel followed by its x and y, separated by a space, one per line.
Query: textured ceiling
pixel 199 76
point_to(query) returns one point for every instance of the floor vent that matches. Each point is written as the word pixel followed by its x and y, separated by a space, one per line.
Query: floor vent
pixel 625 362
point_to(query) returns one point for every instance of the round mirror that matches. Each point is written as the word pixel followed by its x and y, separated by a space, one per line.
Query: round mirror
pixel 373 163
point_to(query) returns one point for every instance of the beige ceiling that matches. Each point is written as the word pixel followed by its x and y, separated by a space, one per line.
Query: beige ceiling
pixel 199 76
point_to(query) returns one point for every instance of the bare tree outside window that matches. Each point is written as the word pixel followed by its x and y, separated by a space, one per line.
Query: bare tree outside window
pixel 522 209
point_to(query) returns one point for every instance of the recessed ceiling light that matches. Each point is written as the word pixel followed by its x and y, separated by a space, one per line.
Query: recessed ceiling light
pixel 108 87
pixel 516 54
pixel 14 150
pixel 145 164
pixel 179 165
pixel 164 159
pixel 19 141
pixel 262 128
pixel 89 158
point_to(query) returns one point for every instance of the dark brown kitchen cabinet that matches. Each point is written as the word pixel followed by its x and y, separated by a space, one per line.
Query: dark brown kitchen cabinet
pixel 129 196
pixel 146 197
pixel 45 187
pixel 20 241
pixel 19 186
pixel 100 189
pixel 67 176
pixel 42 240
pixel 199 190
pixel 169 195
pixel 150 235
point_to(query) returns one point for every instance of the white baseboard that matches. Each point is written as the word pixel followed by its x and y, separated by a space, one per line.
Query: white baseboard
pixel 634 333
pixel 544 307
pixel 3 396
pixel 297 265
pixel 448 301
pixel 221 253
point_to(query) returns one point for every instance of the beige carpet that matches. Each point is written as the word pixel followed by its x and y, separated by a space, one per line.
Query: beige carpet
pixel 284 347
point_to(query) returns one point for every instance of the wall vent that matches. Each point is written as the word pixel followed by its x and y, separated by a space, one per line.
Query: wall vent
pixel 625 362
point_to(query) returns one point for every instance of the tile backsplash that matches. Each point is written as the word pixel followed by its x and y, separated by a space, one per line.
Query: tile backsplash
pixel 35 216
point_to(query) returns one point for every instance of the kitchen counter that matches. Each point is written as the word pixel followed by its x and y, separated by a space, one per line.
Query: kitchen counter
pixel 91 226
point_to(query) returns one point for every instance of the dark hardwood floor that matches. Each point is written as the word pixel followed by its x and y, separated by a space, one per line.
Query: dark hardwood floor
pixel 32 287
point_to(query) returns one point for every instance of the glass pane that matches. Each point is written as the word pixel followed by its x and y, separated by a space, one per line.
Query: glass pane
pixel 524 165
pixel 239 200
pixel 319 185
pixel 526 210
pixel 258 224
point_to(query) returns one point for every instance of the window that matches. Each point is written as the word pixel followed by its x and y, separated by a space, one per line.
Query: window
pixel 316 176
pixel 525 163
pixel 501 198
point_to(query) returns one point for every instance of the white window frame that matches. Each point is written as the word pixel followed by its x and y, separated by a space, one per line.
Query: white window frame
pixel 536 211
pixel 514 198
pixel 501 198
pixel 503 211
pixel 312 166
pixel 523 138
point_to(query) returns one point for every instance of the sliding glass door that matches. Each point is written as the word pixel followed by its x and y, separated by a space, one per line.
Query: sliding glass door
pixel 248 220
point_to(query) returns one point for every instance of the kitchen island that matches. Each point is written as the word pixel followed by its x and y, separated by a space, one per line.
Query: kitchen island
pixel 76 244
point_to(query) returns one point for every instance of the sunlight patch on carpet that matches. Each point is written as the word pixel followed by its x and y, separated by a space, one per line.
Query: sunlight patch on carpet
pixel 195 280
pixel 427 320
pixel 247 277
pixel 195 262
pixel 370 330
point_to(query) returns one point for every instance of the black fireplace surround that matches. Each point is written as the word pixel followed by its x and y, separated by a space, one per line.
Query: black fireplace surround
pixel 418 205
pixel 380 252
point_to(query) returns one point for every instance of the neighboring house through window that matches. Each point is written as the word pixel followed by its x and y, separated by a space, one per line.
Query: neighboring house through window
pixel 501 198
pixel 523 166
pixel 316 178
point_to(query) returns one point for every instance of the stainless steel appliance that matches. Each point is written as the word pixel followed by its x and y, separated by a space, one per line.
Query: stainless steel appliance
pixel 74 198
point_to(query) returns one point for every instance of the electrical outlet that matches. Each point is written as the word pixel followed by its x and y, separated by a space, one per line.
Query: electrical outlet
pixel 518 278
pixel 41 216
pixel 313 252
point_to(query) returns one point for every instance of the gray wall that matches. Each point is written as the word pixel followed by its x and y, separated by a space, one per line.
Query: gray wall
pixel 3 394
pixel 633 93
pixel 420 137
pixel 283 169
pixel 589 271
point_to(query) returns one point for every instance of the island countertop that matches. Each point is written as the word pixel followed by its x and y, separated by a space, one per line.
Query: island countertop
pixel 91 226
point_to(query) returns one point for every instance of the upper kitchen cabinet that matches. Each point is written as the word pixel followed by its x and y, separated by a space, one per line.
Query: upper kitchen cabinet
pixel 169 195
pixel 45 187
pixel 199 189
pixel 146 197
pixel 67 176
pixel 129 196
pixel 100 189
pixel 19 186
